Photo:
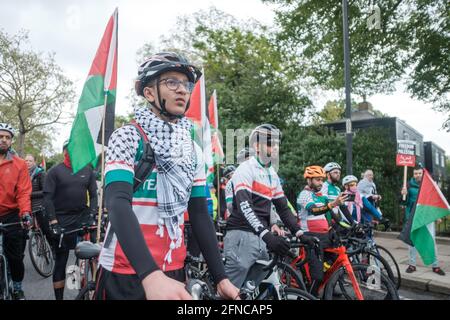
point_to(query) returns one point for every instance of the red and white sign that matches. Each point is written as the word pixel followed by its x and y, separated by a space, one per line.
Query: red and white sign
pixel 406 160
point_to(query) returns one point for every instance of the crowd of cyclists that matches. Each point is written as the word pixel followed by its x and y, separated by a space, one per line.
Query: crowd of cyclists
pixel 157 208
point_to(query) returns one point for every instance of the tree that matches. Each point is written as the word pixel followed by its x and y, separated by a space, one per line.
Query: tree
pixel 33 89
pixel 392 41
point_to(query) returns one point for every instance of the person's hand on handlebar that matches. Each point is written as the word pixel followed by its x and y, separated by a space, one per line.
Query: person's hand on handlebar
pixel 55 229
pixel 276 244
pixel 309 240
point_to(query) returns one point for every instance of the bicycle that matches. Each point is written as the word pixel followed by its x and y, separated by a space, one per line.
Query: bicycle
pixel 86 254
pixel 347 280
pixel 363 251
pixel 40 251
pixel 384 253
pixel 6 283
pixel 263 282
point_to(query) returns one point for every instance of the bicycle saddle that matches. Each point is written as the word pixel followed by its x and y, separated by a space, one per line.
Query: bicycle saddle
pixel 87 250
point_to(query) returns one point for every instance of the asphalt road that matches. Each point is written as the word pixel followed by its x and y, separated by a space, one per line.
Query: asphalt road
pixel 38 288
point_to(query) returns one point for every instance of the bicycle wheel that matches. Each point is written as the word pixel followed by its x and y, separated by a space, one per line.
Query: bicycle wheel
pixel 291 277
pixel 375 260
pixel 382 251
pixel 373 285
pixel 296 294
pixel 87 283
pixel 41 254
pixel 87 292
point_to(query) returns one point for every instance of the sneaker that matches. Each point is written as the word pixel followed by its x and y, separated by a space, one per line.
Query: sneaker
pixel 439 271
pixel 18 295
pixel 410 269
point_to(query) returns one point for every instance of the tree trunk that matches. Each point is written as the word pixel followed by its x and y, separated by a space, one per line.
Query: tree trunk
pixel 21 145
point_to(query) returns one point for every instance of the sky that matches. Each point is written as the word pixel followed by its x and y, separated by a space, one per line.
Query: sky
pixel 73 30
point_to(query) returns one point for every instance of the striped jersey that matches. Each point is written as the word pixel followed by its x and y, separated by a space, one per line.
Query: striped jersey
pixel 309 222
pixel 261 185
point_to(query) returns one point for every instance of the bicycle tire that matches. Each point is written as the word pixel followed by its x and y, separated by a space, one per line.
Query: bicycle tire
pixel 87 284
pixel 5 283
pixel 361 272
pixel 293 278
pixel 40 251
pixel 87 292
pixel 397 273
pixel 291 293
pixel 378 261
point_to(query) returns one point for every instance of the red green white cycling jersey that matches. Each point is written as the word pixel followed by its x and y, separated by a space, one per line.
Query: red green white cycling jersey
pixel 120 164
pixel 309 222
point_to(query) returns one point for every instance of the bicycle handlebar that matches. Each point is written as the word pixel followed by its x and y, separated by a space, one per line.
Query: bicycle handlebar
pixel 4 226
pixel 84 228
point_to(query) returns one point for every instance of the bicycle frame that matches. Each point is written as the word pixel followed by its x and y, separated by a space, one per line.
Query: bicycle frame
pixel 341 261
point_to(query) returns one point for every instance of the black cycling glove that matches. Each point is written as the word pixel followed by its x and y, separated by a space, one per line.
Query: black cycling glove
pixel 276 244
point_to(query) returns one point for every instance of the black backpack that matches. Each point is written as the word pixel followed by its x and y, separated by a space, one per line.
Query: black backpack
pixel 147 161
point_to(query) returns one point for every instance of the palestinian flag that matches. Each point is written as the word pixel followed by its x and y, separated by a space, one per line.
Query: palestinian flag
pixel 202 131
pixel 85 143
pixel 214 121
pixel 43 164
pixel 431 205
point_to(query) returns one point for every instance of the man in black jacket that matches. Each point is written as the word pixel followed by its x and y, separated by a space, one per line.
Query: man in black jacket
pixel 66 197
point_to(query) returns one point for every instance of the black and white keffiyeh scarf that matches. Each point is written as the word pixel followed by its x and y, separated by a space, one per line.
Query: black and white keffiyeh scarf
pixel 176 163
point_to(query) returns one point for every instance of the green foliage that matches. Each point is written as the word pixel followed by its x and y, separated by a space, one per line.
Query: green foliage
pixel 244 63
pixel 411 43
pixel 33 92
pixel 373 148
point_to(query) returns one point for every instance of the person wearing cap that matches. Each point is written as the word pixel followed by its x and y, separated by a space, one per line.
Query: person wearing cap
pixel 144 253
pixel 256 186
pixel 15 206
pixel 66 198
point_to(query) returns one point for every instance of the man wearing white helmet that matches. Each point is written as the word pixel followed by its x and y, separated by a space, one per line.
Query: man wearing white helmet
pixel 15 206
pixel 330 187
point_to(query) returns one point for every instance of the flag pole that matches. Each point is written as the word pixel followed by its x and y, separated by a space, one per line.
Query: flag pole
pixel 405 174
pixel 218 192
pixel 100 207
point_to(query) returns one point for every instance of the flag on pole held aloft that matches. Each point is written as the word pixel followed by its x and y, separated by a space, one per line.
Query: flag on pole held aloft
pixel 43 164
pixel 202 131
pixel 217 150
pixel 419 230
pixel 85 141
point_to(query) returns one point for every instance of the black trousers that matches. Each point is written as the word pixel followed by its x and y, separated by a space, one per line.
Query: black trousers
pixel 116 286
pixel 14 246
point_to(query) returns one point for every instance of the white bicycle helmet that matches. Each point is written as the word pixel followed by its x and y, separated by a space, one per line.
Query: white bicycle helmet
pixel 331 166
pixel 7 127
pixel 348 179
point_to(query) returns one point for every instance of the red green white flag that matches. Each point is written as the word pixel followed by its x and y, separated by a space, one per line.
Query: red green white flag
pixel 85 141
pixel 214 120
pixel 431 205
pixel 202 130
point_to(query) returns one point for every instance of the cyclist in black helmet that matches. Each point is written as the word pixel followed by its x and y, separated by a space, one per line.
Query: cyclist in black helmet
pixel 256 187
pixel 144 252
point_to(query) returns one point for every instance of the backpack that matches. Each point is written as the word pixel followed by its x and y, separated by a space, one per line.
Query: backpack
pixel 147 161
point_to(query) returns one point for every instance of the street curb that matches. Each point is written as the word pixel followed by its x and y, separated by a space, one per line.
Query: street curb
pixel 394 235
pixel 431 286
